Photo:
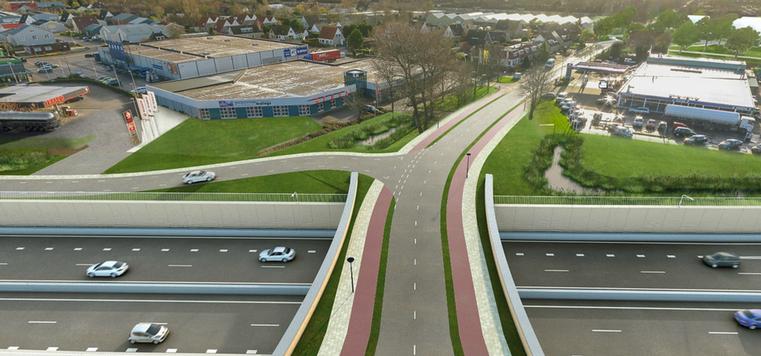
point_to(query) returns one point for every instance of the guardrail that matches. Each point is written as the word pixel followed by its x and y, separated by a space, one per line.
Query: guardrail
pixel 298 289
pixel 625 200
pixel 176 196
pixel 671 295
pixel 627 237
pixel 522 323
pixel 292 335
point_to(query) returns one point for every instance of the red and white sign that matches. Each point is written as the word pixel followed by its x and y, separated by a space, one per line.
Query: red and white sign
pixel 130 121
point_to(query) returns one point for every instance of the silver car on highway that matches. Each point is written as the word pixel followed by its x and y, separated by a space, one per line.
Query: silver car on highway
pixel 111 269
pixel 198 176
pixel 277 254
pixel 150 333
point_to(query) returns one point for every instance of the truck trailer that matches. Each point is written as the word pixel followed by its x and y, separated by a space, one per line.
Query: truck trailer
pixel 729 119
pixel 28 121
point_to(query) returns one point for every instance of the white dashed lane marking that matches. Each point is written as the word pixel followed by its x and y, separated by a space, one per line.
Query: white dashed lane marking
pixel 136 249
pixel 92 349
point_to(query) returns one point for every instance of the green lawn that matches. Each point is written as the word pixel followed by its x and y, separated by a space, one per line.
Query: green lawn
pixel 449 103
pixel 506 79
pixel 753 52
pixel 324 182
pixel 614 157
pixel 508 160
pixel 21 156
pixel 198 142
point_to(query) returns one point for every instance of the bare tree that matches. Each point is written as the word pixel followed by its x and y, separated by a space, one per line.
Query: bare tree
pixel 534 83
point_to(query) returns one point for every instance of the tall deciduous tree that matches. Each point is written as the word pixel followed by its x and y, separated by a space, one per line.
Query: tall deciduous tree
pixel 741 40
pixel 534 83
pixel 685 35
pixel 355 41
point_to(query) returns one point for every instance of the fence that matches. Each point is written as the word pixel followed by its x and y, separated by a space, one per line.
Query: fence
pixel 176 196
pixel 626 200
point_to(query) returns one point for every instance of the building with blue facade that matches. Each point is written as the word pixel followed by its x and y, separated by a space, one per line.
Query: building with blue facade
pixel 296 88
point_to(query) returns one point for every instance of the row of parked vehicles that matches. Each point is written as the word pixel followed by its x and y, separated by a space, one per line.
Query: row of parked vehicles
pixel 45 67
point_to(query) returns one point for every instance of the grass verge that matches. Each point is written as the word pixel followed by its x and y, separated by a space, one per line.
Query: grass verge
pixel 323 182
pixel 311 339
pixel 22 156
pixel 506 79
pixel 372 343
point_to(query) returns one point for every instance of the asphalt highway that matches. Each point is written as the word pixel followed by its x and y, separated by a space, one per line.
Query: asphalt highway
pixel 631 265
pixel 199 324
pixel 65 258
pixel 610 329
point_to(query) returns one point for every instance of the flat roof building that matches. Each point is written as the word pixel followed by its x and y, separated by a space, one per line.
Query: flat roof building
pixel 192 57
pixel 38 96
pixel 696 82
pixel 286 89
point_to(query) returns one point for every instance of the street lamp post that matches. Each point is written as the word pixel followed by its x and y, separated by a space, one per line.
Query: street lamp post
pixel 467 167
pixel 351 272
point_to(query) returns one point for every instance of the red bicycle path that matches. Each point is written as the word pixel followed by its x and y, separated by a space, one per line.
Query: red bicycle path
pixel 361 318
pixel 468 320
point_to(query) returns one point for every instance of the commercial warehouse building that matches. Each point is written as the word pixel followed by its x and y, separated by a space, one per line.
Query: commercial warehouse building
pixel 692 82
pixel 31 97
pixel 193 57
pixel 297 88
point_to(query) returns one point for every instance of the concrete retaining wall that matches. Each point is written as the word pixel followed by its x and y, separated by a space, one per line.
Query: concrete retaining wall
pixel 522 323
pixel 292 335
pixel 187 214
pixel 608 218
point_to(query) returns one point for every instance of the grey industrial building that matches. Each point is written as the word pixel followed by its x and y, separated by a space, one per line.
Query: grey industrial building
pixel 192 57
pixel 692 82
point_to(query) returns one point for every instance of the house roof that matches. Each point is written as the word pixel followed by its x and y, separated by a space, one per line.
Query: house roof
pixel 280 29
pixel 328 32
pixel 84 21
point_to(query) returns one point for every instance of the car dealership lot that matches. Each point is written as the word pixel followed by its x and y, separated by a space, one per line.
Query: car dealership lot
pixel 98 322
pixel 64 258
pixel 640 328
pixel 630 265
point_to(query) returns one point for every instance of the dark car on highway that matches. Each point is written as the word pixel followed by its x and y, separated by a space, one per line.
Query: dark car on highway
pixel 683 132
pixel 696 140
pixel 721 259
pixel 749 318
pixel 730 145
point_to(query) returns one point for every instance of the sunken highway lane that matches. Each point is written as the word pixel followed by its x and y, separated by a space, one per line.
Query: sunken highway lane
pixel 222 260
pixel 631 265
pixel 98 322
pixel 607 328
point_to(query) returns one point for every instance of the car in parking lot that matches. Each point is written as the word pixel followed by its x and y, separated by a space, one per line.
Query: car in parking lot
pixel 111 269
pixel 277 254
pixel 696 140
pixel 198 176
pixel 749 318
pixel 650 125
pixel 640 110
pixel 621 131
pixel 730 144
pixel 45 69
pixel 662 127
pixel 548 95
pixel 372 109
pixel 150 333
pixel 756 149
pixel 638 122
pixel 721 259
pixel 683 132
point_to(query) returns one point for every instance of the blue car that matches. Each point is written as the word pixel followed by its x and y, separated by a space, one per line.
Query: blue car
pixel 749 318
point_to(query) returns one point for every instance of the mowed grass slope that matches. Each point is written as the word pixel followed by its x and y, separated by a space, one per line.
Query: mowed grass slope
pixel 621 158
pixel 26 155
pixel 511 156
pixel 197 142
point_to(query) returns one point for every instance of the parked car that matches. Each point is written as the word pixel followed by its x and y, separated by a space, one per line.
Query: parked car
pixel 40 63
pixel 676 124
pixel 139 90
pixel 198 176
pixel 111 269
pixel 621 131
pixel 730 145
pixel 150 333
pixel 749 318
pixel 640 110
pixel 650 125
pixel 683 132
pixel 112 82
pixel 721 259
pixel 277 254
pixel 629 61
pixel 372 109
pixel 696 140
pixel 89 55
pixel 662 127
pixel 46 69
pixel 548 95
pixel 756 149
pixel 638 122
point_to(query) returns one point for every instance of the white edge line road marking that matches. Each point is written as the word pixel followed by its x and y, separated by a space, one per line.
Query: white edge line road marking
pixel 556 270
pixel 148 301
pixel 131 349
pixel 13 348
pixel 171 351
pixel 41 322
pixel 252 352
pixel 628 308
pixel 750 257
pixel 265 325
pixel 606 331
pixel 84 264
pixel 272 266
pixel 211 351
pixel 749 273
pixel 652 272
pixel 52 348
pixel 92 349
pixel 185 266
pixel 722 333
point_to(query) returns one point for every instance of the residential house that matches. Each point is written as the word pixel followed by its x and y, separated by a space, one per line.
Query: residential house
pixel 139 20
pixel 51 6
pixel 283 33
pixel 9 17
pixel 515 55
pixel 122 19
pixel 93 30
pixel 79 23
pixel 315 29
pixel 132 33
pixel 245 30
pixel 44 16
pixel 21 6
pixel 454 31
pixel 52 26
pixel 33 39
pixel 270 20
pixel 331 36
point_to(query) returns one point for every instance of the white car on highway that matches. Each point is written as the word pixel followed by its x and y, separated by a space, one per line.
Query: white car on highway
pixel 198 176
pixel 148 333
pixel 111 269
pixel 277 254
